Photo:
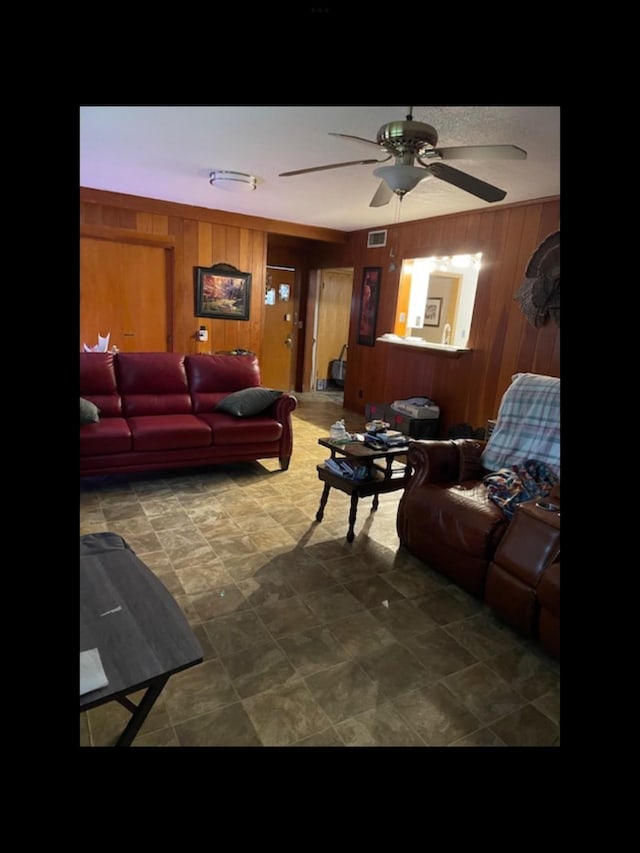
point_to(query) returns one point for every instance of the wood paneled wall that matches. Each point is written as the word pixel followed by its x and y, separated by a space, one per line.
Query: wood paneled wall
pixel 199 237
pixel 468 388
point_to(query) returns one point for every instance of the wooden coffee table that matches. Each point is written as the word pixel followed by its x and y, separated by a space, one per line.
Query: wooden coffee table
pixel 141 633
pixel 384 474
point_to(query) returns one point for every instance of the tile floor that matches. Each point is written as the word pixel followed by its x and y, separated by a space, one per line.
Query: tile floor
pixel 309 640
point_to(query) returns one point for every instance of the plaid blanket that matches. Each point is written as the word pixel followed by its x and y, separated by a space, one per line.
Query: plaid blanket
pixel 528 424
pixel 510 486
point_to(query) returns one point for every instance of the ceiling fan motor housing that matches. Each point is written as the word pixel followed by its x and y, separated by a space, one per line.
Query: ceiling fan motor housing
pixel 407 137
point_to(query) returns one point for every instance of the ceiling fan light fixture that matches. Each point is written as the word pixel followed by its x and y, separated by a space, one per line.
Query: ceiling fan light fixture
pixel 235 182
pixel 401 179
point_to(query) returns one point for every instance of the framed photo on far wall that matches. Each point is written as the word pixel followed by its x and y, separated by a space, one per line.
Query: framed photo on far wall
pixel 432 311
pixel 222 292
pixel 368 311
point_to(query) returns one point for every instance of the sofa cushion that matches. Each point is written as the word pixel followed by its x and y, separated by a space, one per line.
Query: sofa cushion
pixel 211 377
pixel 110 435
pixel 89 412
pixel 528 424
pixel 259 430
pixel 169 432
pixel 153 383
pixel 249 401
pixel 98 383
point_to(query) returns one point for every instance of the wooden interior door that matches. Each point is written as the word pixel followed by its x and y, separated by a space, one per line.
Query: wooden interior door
pixel 124 292
pixel 334 308
pixel 279 337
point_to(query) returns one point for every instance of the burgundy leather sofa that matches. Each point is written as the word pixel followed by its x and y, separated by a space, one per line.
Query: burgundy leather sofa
pixel 156 411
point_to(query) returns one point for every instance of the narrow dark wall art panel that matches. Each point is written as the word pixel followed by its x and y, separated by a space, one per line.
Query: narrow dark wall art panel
pixel 368 311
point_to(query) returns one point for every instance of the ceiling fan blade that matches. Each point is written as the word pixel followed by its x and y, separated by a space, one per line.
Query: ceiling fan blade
pixel 481 152
pixel 466 182
pixel 332 166
pixel 356 138
pixel 382 196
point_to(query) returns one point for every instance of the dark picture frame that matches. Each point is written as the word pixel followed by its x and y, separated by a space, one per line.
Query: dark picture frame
pixel 368 310
pixel 432 311
pixel 222 292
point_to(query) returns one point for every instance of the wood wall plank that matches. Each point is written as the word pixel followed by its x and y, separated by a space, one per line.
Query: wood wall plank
pixel 468 389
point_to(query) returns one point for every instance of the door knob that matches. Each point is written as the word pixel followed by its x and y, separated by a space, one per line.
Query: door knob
pixel 288 341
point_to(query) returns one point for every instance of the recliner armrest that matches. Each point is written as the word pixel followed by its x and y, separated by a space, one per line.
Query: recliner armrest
pixel 434 461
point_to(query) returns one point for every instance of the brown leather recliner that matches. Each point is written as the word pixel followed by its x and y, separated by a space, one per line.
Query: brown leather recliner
pixel 523 579
pixel 548 596
pixel 447 519
pixel 445 516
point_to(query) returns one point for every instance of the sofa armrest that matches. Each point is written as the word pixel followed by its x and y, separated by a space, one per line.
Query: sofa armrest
pixel 282 407
pixel 281 410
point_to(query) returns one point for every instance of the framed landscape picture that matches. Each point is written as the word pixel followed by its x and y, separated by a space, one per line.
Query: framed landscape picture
pixel 222 292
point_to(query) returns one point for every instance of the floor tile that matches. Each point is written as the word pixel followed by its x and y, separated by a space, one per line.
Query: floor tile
pixel 343 690
pixel 395 670
pixel 380 726
pixel 258 668
pixel 483 692
pixel 163 737
pixel 265 587
pixel 403 619
pixel 412 584
pixel 443 607
pixel 361 634
pixel 288 616
pixel 285 714
pixel 198 690
pixel 328 737
pixel 524 672
pixel 329 643
pixel 436 715
pixel 439 653
pixel 234 632
pixel 203 576
pixel 332 603
pixel 373 591
pixel 549 704
pixel 306 575
pixel 312 650
pixel 527 727
pixel 481 737
pixel 216 602
pixel 226 726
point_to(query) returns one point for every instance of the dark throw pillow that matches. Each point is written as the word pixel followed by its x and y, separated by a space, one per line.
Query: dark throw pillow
pixel 89 412
pixel 249 401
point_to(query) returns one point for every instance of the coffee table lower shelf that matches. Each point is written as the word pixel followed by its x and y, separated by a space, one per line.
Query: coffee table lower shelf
pixel 379 483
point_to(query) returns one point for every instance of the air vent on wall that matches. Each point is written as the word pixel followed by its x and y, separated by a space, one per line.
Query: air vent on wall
pixel 376 238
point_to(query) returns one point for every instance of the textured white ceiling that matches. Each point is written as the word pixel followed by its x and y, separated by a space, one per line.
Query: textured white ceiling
pixel 167 152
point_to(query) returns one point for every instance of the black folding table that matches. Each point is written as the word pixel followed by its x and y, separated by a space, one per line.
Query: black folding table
pixel 141 634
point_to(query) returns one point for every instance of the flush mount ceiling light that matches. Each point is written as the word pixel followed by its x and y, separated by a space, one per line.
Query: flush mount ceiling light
pixel 235 182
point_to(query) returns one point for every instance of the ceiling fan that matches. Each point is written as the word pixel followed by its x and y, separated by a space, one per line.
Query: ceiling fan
pixel 414 141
